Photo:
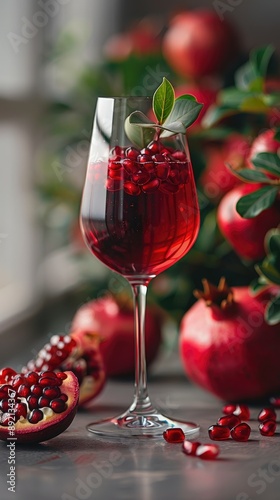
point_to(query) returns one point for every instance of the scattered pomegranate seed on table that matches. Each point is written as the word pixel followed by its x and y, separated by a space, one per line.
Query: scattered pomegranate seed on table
pixel 267 414
pixel 229 421
pixel 275 401
pixel 268 427
pixel 174 435
pixel 190 447
pixel 241 411
pixel 241 432
pixel 207 451
pixel 219 432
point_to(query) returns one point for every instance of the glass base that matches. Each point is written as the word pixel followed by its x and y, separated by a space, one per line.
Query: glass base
pixel 131 424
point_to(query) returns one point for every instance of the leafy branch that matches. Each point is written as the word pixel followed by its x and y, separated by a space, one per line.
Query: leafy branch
pixel 173 116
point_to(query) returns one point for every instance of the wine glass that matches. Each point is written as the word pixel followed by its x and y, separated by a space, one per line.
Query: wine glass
pixel 139 216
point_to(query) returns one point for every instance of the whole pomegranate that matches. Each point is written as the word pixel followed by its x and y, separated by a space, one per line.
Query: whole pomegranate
pixel 78 352
pixel 217 179
pixel 198 43
pixel 113 321
pixel 36 406
pixel 204 94
pixel 264 143
pixel 246 236
pixel 227 347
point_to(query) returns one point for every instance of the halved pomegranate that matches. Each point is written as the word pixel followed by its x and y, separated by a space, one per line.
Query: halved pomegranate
pixel 78 352
pixel 36 407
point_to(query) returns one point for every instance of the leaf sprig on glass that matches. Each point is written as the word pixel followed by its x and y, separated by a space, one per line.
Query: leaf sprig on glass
pixel 173 115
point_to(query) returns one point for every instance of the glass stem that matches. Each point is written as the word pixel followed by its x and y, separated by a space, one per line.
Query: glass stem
pixel 141 403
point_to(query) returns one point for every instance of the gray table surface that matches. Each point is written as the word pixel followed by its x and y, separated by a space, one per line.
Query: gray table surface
pixel 78 466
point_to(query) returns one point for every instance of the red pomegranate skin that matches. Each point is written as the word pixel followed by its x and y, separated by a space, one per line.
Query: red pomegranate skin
pixel 115 326
pixel 264 143
pixel 234 354
pixel 198 43
pixel 217 179
pixel 246 236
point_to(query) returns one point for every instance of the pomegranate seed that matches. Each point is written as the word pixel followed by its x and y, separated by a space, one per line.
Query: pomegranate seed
pixel 151 186
pixel 36 390
pixel 58 405
pixel 229 421
pixel 267 414
pixel 131 188
pixel 23 391
pixel 117 151
pixel 51 392
pixel 47 374
pixel 141 177
pixel 184 175
pixel 229 409
pixel 174 435
pixel 7 390
pixel 190 447
pixel 116 175
pixel 168 188
pixel 207 451
pixel 43 402
pixel 17 381
pixel 4 405
pixel 129 166
pixel 32 377
pixel 114 165
pixel 159 158
pixel 242 411
pixel 61 375
pixel 154 147
pixel 145 158
pixel 35 416
pixel 162 170
pixel 64 397
pixel 132 153
pixel 268 427
pixel 49 382
pixel 32 402
pixel 174 176
pixel 218 432
pixel 275 401
pixel 145 152
pixel 7 373
pixel 179 155
pixel 21 410
pixel 241 432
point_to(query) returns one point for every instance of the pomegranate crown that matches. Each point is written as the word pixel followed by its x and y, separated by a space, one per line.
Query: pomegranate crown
pixel 221 295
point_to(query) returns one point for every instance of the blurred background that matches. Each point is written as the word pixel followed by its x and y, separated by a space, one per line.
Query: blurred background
pixel 57 56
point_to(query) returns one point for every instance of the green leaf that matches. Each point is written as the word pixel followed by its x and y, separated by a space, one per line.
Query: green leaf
pixel 215 114
pixel 257 286
pixel 163 101
pixel 272 312
pixel 245 76
pixel 234 97
pixel 272 242
pixel 139 129
pixel 254 105
pixel 185 111
pixel 267 161
pixel 260 59
pixel 252 204
pixel 277 134
pixel 251 175
pixel 269 271
pixel 272 99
